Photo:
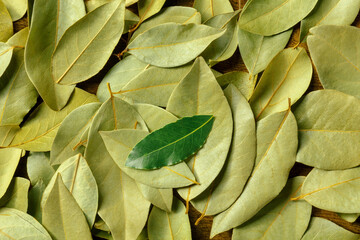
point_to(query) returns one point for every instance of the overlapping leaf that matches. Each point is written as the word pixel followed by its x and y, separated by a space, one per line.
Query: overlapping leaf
pixel 16 195
pixel 212 8
pixel 241 80
pixel 6 53
pixel 161 198
pixel 9 159
pixel 6 26
pixel 38 167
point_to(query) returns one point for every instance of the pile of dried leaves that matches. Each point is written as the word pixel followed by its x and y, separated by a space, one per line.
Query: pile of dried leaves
pixel 164 122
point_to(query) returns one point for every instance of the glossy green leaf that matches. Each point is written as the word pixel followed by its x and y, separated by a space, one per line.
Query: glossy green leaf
pixel 257 51
pixel 35 195
pixel 6 53
pixel 228 186
pixel 329 128
pixel 185 43
pixel 80 182
pixel 175 14
pixel 15 224
pixel 349 217
pixel 16 195
pixel 119 75
pixel 6 25
pixel 67 142
pixel 62 216
pixel 169 225
pixel 9 159
pixel 287 76
pixel 332 190
pixel 272 17
pixel 280 219
pixel 154 85
pixel 333 12
pixel 123 225
pixel 86 46
pixel 38 167
pixel 200 94
pixel 41 45
pixel 321 228
pixel 38 132
pixel 148 8
pixel 212 8
pixel 161 198
pixel 241 80
pixel 336 63
pixel 17 8
pixel 276 152
pixel 171 144
pixel 119 144
pixel 17 94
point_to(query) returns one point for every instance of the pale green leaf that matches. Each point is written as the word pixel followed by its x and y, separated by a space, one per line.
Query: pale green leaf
pixel 175 14
pixel 257 51
pixel 330 12
pixel 131 19
pixel 148 8
pixel 323 229
pixel 38 132
pixel 161 198
pixel 119 75
pixel 200 94
pixel 333 190
pixel 287 77
pixel 271 17
pixel 17 8
pixel 337 64
pixel 185 43
pixel 7 134
pixel 173 225
pixel 16 195
pixel 280 219
pixel 35 195
pixel 119 143
pixel 241 80
pixel 19 39
pixel 9 159
pixel 38 167
pixel 62 216
pixel 329 128
pixel 80 182
pixel 15 224
pixel 276 152
pixel 68 140
pixel 228 186
pixel 212 8
pixel 6 25
pixel 349 217
pixel 86 46
pixel 6 53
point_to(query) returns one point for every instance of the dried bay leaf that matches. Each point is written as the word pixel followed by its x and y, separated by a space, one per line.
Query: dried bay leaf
pixel 175 14
pixel 332 190
pixel 280 219
pixel 131 19
pixel 329 129
pixel 86 46
pixel 276 152
pixel 320 229
pixel 6 25
pixel 154 85
pixel 18 40
pixel 124 223
pixel 16 195
pixel 15 224
pixel 9 159
pixel 148 8
pixel 272 17
pixel 161 198
pixel 38 132
pixel 171 144
pixel 185 43
pixel 349 217
pixel 68 139
pixel 199 93
pixel 333 12
pixel 169 225
pixel 6 53
pixel 228 186
pixel 35 195
pixel 212 8
pixel 241 80
pixel 119 144
pixel 62 216
pixel 80 182
pixel 336 63
pixel 257 51
pixel 7 134
pixel 38 167
pixel 278 84
pixel 17 8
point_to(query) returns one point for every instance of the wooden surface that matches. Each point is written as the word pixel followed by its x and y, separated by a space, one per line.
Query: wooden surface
pixel 235 63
